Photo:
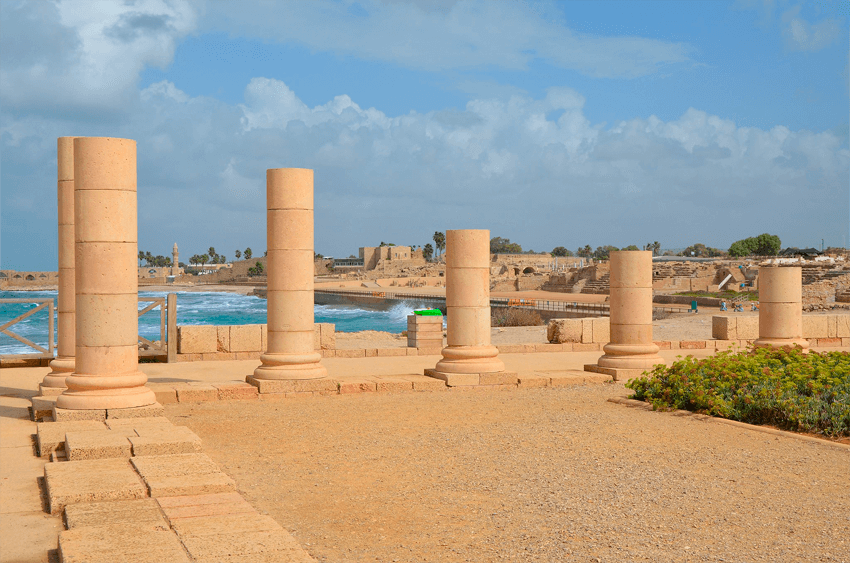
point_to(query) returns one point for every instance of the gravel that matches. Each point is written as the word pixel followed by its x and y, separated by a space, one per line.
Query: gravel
pixel 542 475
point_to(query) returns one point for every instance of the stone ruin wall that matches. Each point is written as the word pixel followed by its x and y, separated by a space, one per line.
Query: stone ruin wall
pixel 12 279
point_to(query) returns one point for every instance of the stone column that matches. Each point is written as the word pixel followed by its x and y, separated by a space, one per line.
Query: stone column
pixel 175 261
pixel 290 353
pixel 781 307
pixel 107 374
pixel 63 365
pixel 631 349
pixel 468 357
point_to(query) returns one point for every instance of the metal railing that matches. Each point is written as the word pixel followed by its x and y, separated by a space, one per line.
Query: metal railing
pixel 46 303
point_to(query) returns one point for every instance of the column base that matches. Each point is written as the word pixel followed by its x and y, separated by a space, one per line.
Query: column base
pixel 50 391
pixel 102 399
pixel 470 360
pixel 462 379
pixel 290 367
pixel 61 367
pixel 780 342
pixel 146 411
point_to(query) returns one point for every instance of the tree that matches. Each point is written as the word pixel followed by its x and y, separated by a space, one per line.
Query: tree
pixel 238 254
pixel 440 242
pixel 428 251
pixel 141 257
pixel 317 256
pixel 561 251
pixel 585 251
pixel 499 245
pixel 204 259
pixel 656 248
pixel 631 247
pixel 265 253
pixel 259 267
pixel 248 253
pixel 762 245
pixel 603 252
pixel 702 251
pixel 211 252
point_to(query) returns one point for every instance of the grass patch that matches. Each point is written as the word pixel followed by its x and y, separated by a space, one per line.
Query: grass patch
pixel 778 386
pixel 514 316
pixel 748 295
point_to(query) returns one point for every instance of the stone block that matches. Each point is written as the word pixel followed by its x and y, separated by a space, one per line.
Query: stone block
pixel 815 326
pixel 292 385
pixel 223 339
pixel 724 328
pixel 164 392
pixel 257 546
pixel 601 330
pixel 187 393
pixel 423 383
pixel 197 339
pixel 96 444
pixel 120 542
pixel 586 330
pixel 357 386
pixel 371 352
pixel 828 343
pixel 50 436
pixel 567 378
pixel 842 326
pixel 617 374
pixel 748 328
pixel 146 411
pixel 512 348
pixel 454 379
pixel 423 350
pixel 195 506
pixel 181 474
pixel 69 415
pixel 71 482
pixel 548 347
pixel 832 326
pixel 383 352
pixel 724 344
pixel 327 336
pixel 264 337
pixel 664 345
pixel 245 338
pixel 157 441
pixel 391 385
pixel 218 356
pixel 532 381
pixel 845 341
pixel 144 511
pixel 559 331
pixel 361 353
pixel 200 526
pixel 498 378
pixel 131 424
pixel 42 406
pixel 692 344
pixel 236 391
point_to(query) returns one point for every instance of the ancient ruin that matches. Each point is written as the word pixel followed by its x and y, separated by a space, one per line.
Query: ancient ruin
pixel 781 307
pixel 54 382
pixel 290 353
pixel 106 374
pixel 631 349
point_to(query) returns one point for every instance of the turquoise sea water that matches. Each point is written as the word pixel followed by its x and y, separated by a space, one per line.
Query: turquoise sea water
pixel 199 308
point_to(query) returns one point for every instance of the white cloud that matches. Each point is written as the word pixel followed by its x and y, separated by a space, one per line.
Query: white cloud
pixel 465 34
pixel 85 55
pixel 801 35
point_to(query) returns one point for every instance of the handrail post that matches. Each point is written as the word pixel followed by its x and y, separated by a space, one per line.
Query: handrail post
pixel 171 338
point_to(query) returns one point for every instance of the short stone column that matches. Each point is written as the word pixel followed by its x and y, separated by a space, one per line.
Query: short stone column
pixel 290 353
pixel 468 358
pixel 631 350
pixel 175 261
pixel 425 333
pixel 63 364
pixel 781 307
pixel 107 374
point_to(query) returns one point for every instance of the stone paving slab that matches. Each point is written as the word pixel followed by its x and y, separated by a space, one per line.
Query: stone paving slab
pixel 223 524
pixel 276 545
pixel 42 406
pixel 137 412
pixel 159 441
pixel 128 512
pixel 68 415
pixel 120 542
pixel 71 482
pixel 96 444
pixel 236 391
pixel 182 474
pixel 51 435
pixel 135 423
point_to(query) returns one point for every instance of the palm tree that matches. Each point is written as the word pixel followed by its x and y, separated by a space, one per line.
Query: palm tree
pixel 248 253
pixel 238 254
pixel 211 252
pixel 440 241
pixel 141 257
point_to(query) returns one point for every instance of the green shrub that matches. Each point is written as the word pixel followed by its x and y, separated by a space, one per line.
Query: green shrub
pixel 514 316
pixel 778 386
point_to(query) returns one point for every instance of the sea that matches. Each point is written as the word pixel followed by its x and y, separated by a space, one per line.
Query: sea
pixel 197 308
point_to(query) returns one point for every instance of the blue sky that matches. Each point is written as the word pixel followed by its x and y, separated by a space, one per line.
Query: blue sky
pixel 552 124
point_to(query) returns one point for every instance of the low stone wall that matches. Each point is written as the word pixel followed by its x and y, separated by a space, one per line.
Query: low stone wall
pixel 686 300
pixel 815 327
pixel 237 342
pixel 585 331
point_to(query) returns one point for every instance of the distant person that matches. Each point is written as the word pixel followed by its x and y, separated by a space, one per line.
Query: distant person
pixel 739 308
pixel 723 306
pixel 755 306
pixel 694 306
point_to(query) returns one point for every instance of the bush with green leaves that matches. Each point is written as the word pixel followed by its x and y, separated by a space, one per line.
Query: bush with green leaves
pixel 778 386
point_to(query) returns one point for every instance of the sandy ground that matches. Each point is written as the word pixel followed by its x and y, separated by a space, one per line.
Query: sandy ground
pixel 528 475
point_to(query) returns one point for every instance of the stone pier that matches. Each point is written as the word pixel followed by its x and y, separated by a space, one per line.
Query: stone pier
pixel 106 375
pixel 175 261
pixel 63 365
pixel 290 354
pixel 781 307
pixel 468 358
pixel 631 350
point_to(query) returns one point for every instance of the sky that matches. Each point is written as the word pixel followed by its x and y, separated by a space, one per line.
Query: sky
pixel 548 123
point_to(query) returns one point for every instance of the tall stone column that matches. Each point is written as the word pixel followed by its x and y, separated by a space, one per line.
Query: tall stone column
pixel 63 364
pixel 107 374
pixel 175 261
pixel 290 353
pixel 468 358
pixel 781 307
pixel 631 350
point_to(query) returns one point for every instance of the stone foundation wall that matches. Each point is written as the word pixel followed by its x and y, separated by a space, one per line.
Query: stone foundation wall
pixel 747 328
pixel 237 342
pixel 585 331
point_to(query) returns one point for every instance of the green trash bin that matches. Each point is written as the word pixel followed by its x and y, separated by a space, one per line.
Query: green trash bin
pixel 428 312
